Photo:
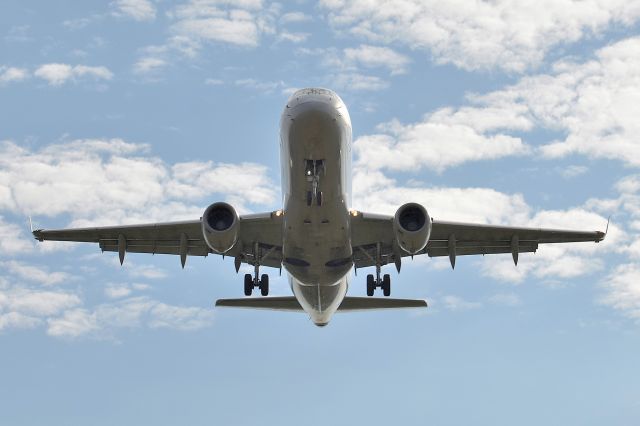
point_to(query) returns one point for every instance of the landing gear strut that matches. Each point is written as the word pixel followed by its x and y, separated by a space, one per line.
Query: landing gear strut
pixel 373 283
pixel 252 281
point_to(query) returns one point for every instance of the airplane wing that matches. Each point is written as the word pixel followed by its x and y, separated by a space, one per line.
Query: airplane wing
pixel 453 239
pixel 181 238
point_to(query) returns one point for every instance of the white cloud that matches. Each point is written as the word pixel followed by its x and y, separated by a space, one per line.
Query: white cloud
pixel 295 17
pixel 72 323
pixel 57 74
pixel 24 308
pixel 506 299
pixel 134 312
pixel 357 82
pixel 117 291
pixel 455 303
pixel 375 192
pixel 148 64
pixel 573 171
pixel 17 320
pixel 215 21
pixel 179 317
pixel 375 56
pixel 260 86
pixel 592 103
pixel 502 34
pixel 622 288
pixel 139 10
pixel 33 273
pixel 12 239
pixel 12 74
pixel 293 37
pixel 93 183
pixel 443 139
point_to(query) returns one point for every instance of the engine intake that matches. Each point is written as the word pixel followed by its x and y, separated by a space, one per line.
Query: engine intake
pixel 220 227
pixel 412 227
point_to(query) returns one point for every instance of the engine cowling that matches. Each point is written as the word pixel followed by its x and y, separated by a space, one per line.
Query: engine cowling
pixel 220 226
pixel 412 226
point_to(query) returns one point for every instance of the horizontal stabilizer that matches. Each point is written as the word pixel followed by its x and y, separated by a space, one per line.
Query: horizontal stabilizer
pixel 349 304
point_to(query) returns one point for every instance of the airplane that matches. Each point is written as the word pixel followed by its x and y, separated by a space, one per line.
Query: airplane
pixel 316 236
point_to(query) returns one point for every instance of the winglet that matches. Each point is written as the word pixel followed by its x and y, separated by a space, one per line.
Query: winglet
pixel 37 233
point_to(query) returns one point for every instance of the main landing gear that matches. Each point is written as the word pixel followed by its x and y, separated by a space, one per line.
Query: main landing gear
pixel 373 283
pixel 252 281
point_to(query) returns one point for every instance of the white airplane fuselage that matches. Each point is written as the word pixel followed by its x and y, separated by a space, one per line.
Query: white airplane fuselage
pixel 315 155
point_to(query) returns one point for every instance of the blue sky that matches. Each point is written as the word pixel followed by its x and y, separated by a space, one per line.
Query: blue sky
pixel 521 113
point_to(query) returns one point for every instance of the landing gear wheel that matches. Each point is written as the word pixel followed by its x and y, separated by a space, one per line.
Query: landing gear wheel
pixel 386 285
pixel 309 198
pixel 264 285
pixel 371 286
pixel 319 198
pixel 248 284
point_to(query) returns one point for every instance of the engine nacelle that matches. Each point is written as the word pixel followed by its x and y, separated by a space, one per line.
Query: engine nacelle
pixel 220 225
pixel 412 226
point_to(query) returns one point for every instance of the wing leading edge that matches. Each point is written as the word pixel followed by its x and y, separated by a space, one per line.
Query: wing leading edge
pixel 180 238
pixel 455 239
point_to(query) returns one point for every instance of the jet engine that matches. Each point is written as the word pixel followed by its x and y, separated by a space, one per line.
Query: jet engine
pixel 412 227
pixel 220 225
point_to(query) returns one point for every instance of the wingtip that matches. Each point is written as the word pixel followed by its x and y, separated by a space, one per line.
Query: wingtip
pixel 603 235
pixel 37 234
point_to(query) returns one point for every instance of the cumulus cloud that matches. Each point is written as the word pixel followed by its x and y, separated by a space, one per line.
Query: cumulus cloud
pixel 139 10
pixel 57 74
pixel 215 21
pixel 443 139
pixel 357 82
pixel 622 290
pixel 148 65
pixel 34 273
pixel 592 104
pixel 455 303
pixel 12 238
pixel 376 56
pixel 93 183
pixel 133 312
pixel 12 74
pixel 295 17
pixel 26 308
pixel 513 36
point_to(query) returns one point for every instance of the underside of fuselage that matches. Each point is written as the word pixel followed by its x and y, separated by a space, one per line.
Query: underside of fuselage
pixel 315 136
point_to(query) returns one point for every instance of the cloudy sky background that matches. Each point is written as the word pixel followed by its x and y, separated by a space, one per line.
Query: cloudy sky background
pixel 521 113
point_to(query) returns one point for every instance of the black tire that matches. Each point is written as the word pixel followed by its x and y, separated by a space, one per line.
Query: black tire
pixel 371 287
pixel 309 198
pixel 248 284
pixel 386 285
pixel 264 285
pixel 319 198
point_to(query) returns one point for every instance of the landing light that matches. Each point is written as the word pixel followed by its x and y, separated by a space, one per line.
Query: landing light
pixel 278 213
pixel 353 213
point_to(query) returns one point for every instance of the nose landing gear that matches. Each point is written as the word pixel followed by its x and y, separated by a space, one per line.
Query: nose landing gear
pixel 312 170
